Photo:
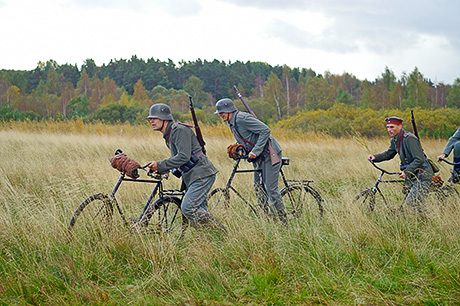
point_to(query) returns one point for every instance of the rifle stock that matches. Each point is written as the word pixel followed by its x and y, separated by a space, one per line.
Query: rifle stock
pixel 198 133
pixel 274 158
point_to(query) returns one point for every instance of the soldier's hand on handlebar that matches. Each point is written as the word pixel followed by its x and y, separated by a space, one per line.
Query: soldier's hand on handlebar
pixel 371 157
pixel 153 166
pixel 402 174
pixel 441 157
pixel 251 156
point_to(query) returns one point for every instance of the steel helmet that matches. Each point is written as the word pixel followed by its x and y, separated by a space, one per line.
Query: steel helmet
pixel 225 106
pixel 160 111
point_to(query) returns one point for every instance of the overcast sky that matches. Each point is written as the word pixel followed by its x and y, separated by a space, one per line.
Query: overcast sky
pixel 360 37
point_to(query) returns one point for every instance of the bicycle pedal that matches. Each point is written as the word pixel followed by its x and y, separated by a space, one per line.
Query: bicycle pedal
pixel 133 220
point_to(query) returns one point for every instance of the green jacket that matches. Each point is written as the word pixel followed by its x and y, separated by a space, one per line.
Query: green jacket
pixel 182 141
pixel 252 133
pixel 411 155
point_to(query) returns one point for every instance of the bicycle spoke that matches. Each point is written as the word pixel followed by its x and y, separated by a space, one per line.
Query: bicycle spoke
pixel 164 217
pixel 93 217
pixel 299 198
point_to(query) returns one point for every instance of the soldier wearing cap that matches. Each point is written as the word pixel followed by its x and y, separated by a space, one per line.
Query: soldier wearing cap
pixel 415 169
pixel 198 173
pixel 255 136
pixel 453 144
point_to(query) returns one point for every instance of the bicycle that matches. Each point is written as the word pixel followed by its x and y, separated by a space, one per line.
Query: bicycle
pixel 450 189
pixel 296 194
pixel 372 197
pixel 95 213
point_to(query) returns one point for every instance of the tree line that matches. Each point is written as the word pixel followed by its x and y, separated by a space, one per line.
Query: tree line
pixel 123 90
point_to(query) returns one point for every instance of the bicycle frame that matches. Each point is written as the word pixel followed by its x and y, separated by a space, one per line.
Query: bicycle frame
pixel 380 180
pixel 157 189
pixel 452 164
pixel 285 161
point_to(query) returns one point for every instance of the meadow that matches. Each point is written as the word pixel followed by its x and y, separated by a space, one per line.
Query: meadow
pixel 347 257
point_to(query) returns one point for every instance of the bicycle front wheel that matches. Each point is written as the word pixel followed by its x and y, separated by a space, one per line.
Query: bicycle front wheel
pixel 448 197
pixel 299 197
pixel 164 216
pixel 94 216
pixel 368 199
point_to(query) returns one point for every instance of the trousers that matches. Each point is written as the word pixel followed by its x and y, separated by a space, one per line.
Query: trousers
pixel 268 178
pixel 194 204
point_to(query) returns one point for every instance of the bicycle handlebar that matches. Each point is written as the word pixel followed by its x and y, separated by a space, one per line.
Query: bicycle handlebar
pixel 245 157
pixel 448 162
pixel 383 170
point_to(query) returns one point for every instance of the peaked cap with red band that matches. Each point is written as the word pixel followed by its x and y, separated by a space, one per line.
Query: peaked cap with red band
pixel 393 120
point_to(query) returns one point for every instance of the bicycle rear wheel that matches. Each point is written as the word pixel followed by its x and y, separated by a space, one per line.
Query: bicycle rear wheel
pixel 300 197
pixel 164 216
pixel 94 216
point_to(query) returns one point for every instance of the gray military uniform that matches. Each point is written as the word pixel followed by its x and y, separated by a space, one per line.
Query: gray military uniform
pixel 453 144
pixel 181 141
pixel 413 161
pixel 254 135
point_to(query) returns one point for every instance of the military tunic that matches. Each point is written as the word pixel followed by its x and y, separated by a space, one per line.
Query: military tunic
pixel 254 135
pixel 413 162
pixel 181 141
pixel 453 144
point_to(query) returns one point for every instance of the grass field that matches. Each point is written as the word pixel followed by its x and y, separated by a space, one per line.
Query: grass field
pixel 349 257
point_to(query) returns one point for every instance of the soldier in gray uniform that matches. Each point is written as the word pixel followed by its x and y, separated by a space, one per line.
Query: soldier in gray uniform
pixel 198 173
pixel 453 144
pixel 255 136
pixel 415 169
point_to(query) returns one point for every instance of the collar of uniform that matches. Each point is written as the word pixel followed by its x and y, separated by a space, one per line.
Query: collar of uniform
pixel 397 137
pixel 168 130
pixel 233 120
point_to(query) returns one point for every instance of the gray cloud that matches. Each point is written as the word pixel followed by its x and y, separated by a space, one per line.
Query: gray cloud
pixel 377 26
pixel 292 35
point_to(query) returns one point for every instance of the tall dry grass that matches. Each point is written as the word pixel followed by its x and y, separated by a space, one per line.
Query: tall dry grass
pixel 347 257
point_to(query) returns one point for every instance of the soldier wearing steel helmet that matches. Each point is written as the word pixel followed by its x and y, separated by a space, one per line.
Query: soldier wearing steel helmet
pixel 198 172
pixel 414 169
pixel 255 136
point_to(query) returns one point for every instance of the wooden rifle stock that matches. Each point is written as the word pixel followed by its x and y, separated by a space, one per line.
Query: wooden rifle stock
pixel 274 158
pixel 198 133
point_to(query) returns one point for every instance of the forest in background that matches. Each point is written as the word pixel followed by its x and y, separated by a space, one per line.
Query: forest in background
pixel 291 98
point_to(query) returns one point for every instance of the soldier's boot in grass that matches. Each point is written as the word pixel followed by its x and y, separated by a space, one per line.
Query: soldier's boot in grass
pixel 209 220
pixel 455 178
pixel 283 217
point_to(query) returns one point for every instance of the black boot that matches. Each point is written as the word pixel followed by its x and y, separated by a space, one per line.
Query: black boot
pixel 210 221
pixel 283 217
pixel 455 178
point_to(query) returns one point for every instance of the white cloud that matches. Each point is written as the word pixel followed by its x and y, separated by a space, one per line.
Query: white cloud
pixel 360 37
